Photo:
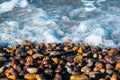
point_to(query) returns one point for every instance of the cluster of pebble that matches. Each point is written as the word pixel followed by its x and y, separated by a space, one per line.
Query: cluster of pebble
pixel 59 61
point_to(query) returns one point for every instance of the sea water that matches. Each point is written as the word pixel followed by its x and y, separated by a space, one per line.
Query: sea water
pixel 95 22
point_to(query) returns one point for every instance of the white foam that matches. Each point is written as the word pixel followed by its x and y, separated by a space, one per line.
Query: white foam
pixel 50 36
pixel 82 28
pixel 100 32
pixel 94 40
pixel 109 43
pixel 23 3
pixel 8 6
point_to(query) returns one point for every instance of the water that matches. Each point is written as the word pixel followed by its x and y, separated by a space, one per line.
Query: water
pixel 96 22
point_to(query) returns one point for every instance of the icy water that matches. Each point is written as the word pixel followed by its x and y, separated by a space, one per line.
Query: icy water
pixel 96 22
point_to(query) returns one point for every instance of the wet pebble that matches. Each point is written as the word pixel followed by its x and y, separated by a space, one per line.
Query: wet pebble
pixel 32 70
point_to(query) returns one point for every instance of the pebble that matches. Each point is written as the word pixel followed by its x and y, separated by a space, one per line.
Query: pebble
pixel 78 59
pixel 78 77
pixel 30 76
pixel 32 70
pixel 2 69
pixel 11 74
pixel 85 69
pixel 55 60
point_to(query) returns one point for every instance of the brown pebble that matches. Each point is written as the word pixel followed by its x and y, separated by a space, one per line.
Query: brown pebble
pixel 109 66
pixel 30 52
pixel 57 77
pixel 118 65
pixel 112 52
pixel 22 61
pixel 37 55
pixel 67 49
pixel 11 74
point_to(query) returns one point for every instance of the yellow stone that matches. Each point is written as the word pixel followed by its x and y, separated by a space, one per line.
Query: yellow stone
pixel 78 77
pixel 47 58
pixel 80 50
pixel 75 48
pixel 55 60
pixel 9 75
pixel 78 58
pixel 13 77
pixel 114 77
pixel 30 76
pixel 30 52
pixel 100 56
pixel 101 79
pixel 38 77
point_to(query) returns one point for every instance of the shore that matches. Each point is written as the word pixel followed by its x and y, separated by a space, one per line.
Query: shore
pixel 59 61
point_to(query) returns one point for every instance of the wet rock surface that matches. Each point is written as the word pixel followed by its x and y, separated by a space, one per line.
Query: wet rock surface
pixel 59 61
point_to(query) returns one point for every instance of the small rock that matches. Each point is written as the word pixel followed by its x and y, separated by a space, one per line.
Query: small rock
pixel 37 55
pixel 67 49
pixel 75 48
pixel 30 52
pixel 55 60
pixel 118 65
pixel 112 52
pixel 114 77
pixel 38 77
pixel 2 69
pixel 29 60
pixel 101 79
pixel 80 50
pixel 85 69
pixel 48 72
pixel 57 77
pixel 78 77
pixel 32 70
pixel 78 59
pixel 30 76
pixel 54 53
pixel 11 74
pixel 95 55
pixel 3 59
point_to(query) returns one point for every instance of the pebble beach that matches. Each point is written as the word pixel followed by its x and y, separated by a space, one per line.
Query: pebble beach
pixel 59 61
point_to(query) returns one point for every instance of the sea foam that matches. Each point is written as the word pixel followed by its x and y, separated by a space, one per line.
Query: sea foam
pixel 87 20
